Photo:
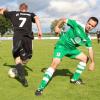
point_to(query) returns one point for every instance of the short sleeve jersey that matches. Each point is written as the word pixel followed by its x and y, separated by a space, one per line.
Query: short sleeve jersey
pixel 21 21
pixel 75 36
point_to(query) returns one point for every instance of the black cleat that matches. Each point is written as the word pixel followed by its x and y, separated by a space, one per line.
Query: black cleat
pixel 24 82
pixel 38 92
pixel 79 81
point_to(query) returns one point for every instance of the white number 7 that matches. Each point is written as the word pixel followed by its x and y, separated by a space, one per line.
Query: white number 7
pixel 23 21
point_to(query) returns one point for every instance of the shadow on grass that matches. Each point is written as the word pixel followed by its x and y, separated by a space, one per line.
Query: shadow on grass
pixel 60 72
pixel 13 66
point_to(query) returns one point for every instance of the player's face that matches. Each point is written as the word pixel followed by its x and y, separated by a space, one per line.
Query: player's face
pixel 23 8
pixel 91 24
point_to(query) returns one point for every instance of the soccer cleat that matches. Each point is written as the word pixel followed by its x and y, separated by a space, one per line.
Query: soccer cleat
pixel 79 81
pixel 23 81
pixel 38 92
pixel 25 61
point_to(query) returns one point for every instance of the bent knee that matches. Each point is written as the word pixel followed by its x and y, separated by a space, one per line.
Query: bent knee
pixel 82 57
pixel 85 59
pixel 18 60
pixel 55 62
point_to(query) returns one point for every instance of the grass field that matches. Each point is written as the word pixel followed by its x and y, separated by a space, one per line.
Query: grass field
pixel 59 87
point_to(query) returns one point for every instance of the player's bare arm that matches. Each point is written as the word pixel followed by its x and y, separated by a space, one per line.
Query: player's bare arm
pixel 59 25
pixel 38 26
pixel 91 55
pixel 2 10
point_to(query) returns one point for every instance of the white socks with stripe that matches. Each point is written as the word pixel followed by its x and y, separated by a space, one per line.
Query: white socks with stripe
pixel 80 68
pixel 47 76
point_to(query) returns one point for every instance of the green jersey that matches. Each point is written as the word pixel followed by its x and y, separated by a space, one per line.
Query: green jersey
pixel 75 36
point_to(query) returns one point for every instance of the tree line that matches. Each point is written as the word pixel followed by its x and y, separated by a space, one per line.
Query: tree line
pixel 5 25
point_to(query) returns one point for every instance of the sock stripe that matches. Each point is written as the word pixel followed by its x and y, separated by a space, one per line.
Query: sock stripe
pixel 78 71
pixel 81 67
pixel 46 79
pixel 82 64
pixel 47 76
pixel 48 73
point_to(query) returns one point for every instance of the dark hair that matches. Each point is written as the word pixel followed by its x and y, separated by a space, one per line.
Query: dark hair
pixel 94 19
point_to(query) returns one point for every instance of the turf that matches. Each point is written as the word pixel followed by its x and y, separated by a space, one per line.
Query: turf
pixel 59 87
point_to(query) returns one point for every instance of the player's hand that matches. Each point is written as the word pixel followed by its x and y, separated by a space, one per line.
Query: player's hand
pixel 91 66
pixel 39 35
pixel 2 10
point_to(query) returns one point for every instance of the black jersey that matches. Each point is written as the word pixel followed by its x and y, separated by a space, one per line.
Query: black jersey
pixel 22 22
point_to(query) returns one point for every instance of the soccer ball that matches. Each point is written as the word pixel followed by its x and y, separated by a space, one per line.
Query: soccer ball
pixel 12 72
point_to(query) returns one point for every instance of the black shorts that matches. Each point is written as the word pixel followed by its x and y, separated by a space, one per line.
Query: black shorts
pixel 22 47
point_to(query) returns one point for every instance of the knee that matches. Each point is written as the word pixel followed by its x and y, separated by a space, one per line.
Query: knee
pixel 86 59
pixel 18 60
pixel 55 63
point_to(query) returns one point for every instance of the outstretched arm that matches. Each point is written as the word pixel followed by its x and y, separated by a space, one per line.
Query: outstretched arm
pixel 38 26
pixel 91 55
pixel 2 10
pixel 59 24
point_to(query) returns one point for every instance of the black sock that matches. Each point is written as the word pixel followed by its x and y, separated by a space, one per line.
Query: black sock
pixel 21 71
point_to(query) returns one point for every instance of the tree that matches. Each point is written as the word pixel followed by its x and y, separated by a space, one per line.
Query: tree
pixel 5 25
pixel 53 25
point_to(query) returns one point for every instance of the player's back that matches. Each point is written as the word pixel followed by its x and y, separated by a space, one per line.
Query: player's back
pixel 22 21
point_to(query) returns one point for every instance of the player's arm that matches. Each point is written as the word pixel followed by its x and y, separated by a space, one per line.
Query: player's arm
pixel 91 56
pixel 59 24
pixel 2 10
pixel 38 26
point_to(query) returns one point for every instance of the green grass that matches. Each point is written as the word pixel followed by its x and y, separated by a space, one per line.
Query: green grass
pixel 59 87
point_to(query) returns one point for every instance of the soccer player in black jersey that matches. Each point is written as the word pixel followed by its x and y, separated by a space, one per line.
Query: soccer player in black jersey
pixel 22 38
pixel 98 36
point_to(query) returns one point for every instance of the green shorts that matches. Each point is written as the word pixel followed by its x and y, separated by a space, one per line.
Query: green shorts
pixel 61 51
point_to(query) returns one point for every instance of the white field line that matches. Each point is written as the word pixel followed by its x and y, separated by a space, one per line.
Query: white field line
pixel 43 38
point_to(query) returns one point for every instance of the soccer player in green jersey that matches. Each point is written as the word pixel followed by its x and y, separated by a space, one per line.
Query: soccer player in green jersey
pixel 75 36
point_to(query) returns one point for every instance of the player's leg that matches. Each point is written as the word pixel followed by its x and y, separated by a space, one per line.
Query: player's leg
pixel 19 67
pixel 26 53
pixel 80 68
pixel 47 76
pixel 21 71
pixel 58 55
pixel 99 38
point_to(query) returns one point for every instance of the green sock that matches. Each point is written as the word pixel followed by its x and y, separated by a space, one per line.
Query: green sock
pixel 80 68
pixel 47 76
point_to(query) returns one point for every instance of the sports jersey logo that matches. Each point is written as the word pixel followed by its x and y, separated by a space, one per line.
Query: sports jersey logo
pixel 17 14
pixel 23 20
pixel 58 54
pixel 84 40
pixel 77 40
